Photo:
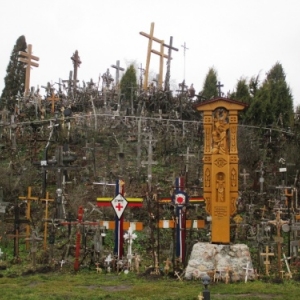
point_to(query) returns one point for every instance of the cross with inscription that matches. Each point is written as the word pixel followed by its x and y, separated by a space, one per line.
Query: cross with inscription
pixel 53 99
pixel 28 200
pixel 76 62
pixel 219 85
pixel 28 59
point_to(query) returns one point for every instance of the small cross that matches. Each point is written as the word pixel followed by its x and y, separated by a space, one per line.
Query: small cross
pixel 1 253
pixel 62 262
pixel 247 269
pixel 53 99
pixel 267 262
pixel 285 259
pixel 219 85
pixel 244 175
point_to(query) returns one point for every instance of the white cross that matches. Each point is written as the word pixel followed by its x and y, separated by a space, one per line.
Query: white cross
pixel 130 236
pixel 247 269
pixel 62 262
pixel 1 253
pixel 285 259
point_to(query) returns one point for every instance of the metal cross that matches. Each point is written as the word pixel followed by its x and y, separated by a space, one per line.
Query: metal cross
pixel 118 69
pixel 219 85
pixel 184 50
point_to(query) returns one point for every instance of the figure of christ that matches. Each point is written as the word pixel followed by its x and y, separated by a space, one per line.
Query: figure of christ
pixel 220 188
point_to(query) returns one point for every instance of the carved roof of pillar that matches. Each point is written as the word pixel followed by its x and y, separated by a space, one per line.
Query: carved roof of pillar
pixel 229 104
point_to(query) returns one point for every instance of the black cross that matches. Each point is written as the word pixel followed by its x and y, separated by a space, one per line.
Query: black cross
pixel 219 85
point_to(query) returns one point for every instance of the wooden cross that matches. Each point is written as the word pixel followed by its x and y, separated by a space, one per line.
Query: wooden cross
pixel 219 85
pixel 17 221
pixel 47 199
pixel 161 54
pixel 53 99
pixel 279 239
pixel 76 62
pixel 267 262
pixel 28 59
pixel 28 200
pixel 264 209
pixel 170 48
pixel 118 69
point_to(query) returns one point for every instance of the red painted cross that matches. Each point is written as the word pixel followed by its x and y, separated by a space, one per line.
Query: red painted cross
pixel 119 206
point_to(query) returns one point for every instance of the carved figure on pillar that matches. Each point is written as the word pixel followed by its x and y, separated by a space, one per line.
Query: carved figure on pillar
pixel 219 134
pixel 220 188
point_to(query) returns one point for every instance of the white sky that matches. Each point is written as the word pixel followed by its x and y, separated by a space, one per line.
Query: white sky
pixel 239 38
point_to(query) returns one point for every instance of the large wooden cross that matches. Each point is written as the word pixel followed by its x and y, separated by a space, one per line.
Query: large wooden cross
pixel 28 199
pixel 279 239
pixel 170 48
pixel 29 60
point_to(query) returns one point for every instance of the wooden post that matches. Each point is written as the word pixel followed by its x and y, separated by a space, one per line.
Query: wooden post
pixel 47 199
pixel 28 59
pixel 28 199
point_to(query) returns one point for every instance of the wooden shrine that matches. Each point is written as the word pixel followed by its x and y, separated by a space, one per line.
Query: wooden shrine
pixel 220 163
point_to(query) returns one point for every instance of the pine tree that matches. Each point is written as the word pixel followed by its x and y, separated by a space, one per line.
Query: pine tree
pixel 210 85
pixel 242 92
pixel 14 81
pixel 128 83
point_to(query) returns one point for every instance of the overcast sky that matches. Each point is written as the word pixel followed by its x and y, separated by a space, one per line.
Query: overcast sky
pixel 239 38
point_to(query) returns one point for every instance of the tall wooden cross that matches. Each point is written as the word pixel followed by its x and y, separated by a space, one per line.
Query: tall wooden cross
pixel 47 199
pixel 184 50
pixel 118 69
pixel 53 99
pixel 76 62
pixel 160 53
pixel 28 200
pixel 279 239
pixel 29 60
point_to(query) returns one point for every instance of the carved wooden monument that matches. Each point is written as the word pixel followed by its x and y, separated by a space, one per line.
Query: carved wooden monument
pixel 220 163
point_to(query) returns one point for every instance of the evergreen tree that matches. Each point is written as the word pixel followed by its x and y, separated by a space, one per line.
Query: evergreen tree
pixel 14 81
pixel 210 85
pixel 128 83
pixel 242 92
pixel 272 104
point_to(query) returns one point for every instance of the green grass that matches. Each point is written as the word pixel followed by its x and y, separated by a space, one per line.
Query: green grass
pixel 87 284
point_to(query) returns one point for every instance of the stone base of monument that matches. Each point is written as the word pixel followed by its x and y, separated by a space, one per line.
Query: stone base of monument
pixel 228 263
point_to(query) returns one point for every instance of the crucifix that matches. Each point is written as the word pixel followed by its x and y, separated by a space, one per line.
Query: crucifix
pixel 267 261
pixel 28 200
pixel 184 50
pixel 47 199
pixel 29 60
pixel 76 62
pixel 53 99
pixel 279 239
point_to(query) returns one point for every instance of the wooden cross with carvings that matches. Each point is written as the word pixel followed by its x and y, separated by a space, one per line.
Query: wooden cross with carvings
pixel 28 200
pixel 267 261
pixel 53 99
pixel 28 59
pixel 278 239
